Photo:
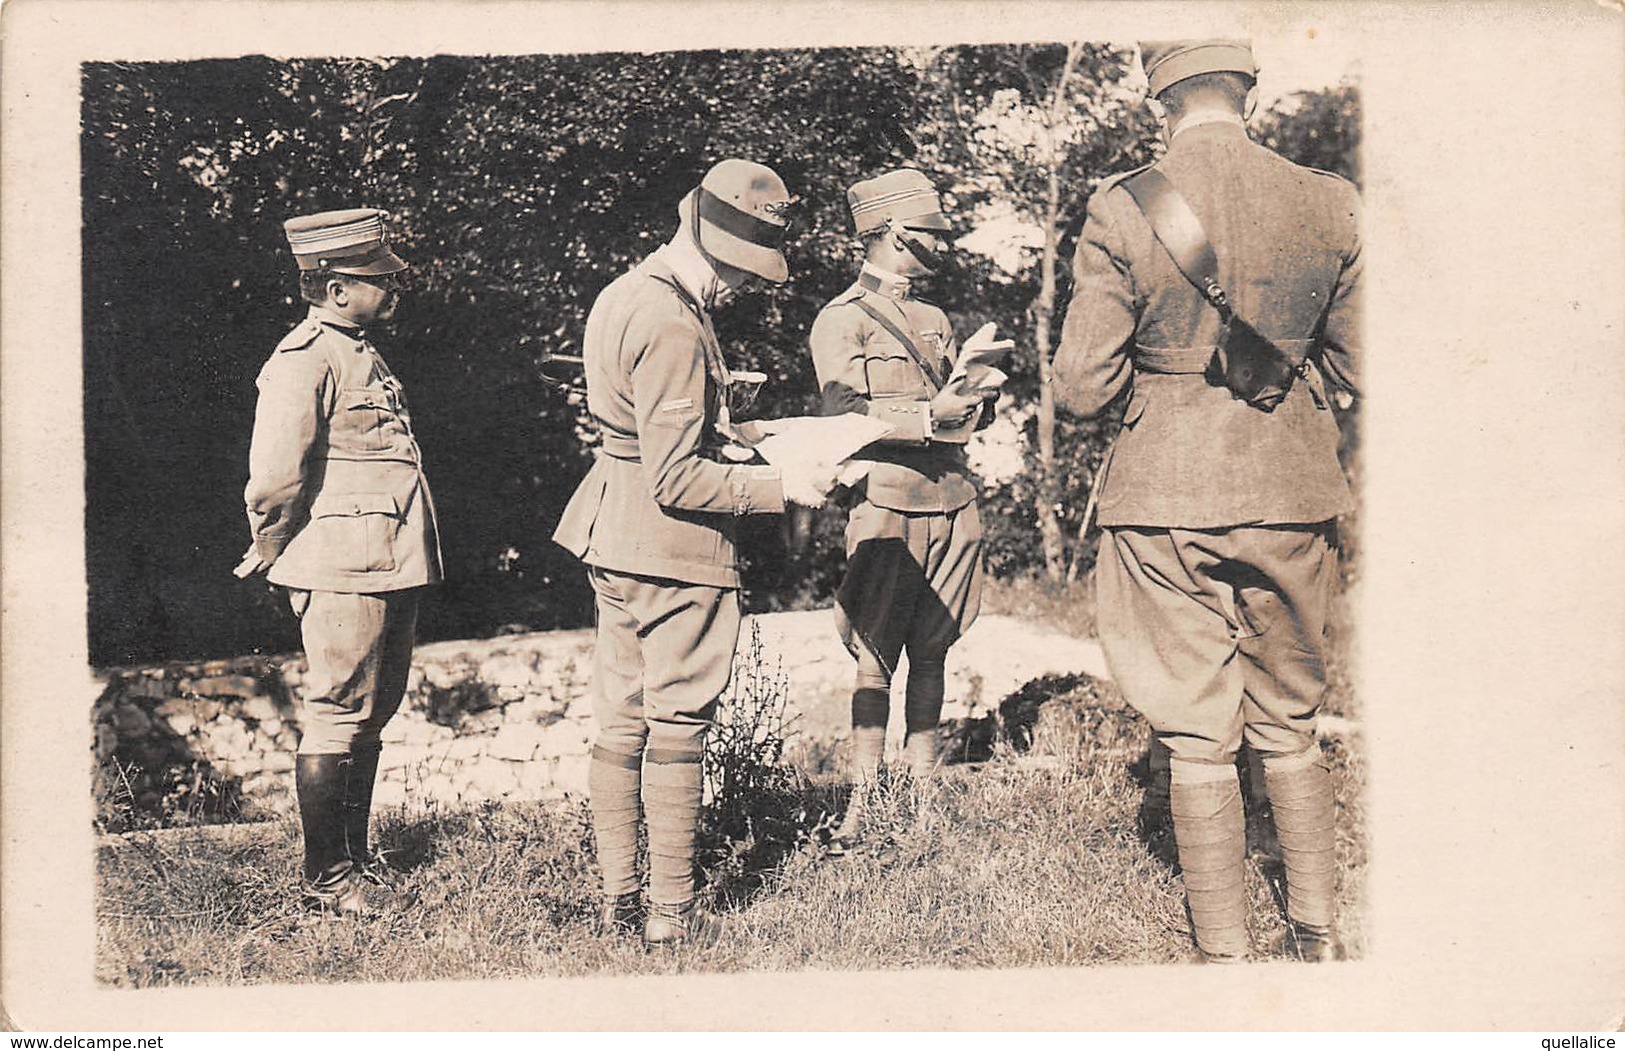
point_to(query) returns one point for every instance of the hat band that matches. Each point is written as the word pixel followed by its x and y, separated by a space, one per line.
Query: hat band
pixel 741 224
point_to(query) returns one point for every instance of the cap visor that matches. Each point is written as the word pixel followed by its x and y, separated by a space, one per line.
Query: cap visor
pixel 386 263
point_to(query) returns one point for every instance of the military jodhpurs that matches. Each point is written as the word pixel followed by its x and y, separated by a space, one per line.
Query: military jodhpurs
pixel 359 648
pixel 913 581
pixel 1216 635
pixel 664 655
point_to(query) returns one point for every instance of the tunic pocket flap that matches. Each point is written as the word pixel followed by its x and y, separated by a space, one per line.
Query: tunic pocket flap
pixel 344 505
pixel 366 398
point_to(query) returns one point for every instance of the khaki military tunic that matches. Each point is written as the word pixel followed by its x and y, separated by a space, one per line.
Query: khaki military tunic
pixel 339 505
pixel 656 517
pixel 1218 557
pixel 914 540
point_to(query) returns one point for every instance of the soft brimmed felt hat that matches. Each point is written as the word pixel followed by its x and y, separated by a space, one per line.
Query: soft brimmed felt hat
pixel 348 241
pixel 904 195
pixel 1170 61
pixel 738 215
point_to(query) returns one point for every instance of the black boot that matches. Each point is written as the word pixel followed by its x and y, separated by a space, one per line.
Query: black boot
pixel 361 773
pixel 332 881
pixel 320 782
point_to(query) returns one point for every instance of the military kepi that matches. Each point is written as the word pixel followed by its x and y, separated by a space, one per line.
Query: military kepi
pixel 904 195
pixel 349 241
pixel 1168 62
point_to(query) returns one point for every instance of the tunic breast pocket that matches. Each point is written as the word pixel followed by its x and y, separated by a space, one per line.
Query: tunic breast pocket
pixel 364 420
pixel 357 530
pixel 891 370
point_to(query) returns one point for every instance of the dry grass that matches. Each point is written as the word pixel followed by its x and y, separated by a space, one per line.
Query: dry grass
pixel 1031 858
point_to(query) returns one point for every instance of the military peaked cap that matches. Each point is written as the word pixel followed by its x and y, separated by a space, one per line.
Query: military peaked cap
pixel 349 241
pixel 1170 61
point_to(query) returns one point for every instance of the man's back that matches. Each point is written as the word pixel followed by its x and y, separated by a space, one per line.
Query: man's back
pixel 1190 454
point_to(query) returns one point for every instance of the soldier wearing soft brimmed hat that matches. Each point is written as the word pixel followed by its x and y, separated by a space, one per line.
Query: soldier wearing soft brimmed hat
pixel 913 581
pixel 342 520
pixel 655 521
pixel 1219 499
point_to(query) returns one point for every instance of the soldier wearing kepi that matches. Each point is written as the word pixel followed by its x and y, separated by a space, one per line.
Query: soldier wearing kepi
pixel 342 520
pixel 655 521
pixel 1218 557
pixel 914 540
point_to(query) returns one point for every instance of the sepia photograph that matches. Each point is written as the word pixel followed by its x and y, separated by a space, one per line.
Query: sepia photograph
pixel 585 576
pixel 744 510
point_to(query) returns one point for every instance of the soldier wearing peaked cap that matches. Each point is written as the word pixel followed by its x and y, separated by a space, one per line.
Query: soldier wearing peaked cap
pixel 913 581
pixel 1219 290
pixel 342 519
pixel 655 521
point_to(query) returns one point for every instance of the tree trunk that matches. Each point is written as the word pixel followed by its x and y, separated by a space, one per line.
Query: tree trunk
pixel 1049 496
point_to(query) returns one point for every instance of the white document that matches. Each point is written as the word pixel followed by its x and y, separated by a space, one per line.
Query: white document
pixel 818 439
pixel 977 370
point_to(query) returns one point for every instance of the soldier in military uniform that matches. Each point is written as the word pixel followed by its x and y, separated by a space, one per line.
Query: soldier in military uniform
pixel 655 521
pixel 913 580
pixel 1219 553
pixel 342 520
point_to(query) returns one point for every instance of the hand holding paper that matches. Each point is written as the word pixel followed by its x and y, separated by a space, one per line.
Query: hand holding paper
pixel 976 371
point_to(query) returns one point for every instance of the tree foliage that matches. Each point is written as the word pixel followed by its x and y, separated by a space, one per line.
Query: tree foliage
pixel 519 187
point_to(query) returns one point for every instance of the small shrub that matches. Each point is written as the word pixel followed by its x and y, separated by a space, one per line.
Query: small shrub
pixel 758 809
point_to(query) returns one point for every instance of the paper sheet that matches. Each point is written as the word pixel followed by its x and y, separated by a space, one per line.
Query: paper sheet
pixel 818 439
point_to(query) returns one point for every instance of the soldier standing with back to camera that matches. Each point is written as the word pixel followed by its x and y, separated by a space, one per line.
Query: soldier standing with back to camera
pixel 342 520
pixel 914 540
pixel 655 521
pixel 1217 504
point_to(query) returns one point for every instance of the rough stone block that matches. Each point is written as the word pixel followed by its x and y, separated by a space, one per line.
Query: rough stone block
pixel 580 707
pixel 277 762
pixel 570 774
pixel 223 685
pixel 534 777
pixel 146 685
pixel 516 742
pixel 566 737
pixel 131 722
pixel 259 708
pixel 106 742
pixel 388 793
pixel 489 779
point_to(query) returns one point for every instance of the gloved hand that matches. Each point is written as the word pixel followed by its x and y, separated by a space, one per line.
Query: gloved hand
pixel 252 563
pixel 952 406
pixel 807 483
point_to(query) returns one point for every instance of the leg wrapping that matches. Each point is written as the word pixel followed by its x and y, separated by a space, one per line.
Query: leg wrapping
pixel 614 784
pixel 1306 821
pixel 1210 832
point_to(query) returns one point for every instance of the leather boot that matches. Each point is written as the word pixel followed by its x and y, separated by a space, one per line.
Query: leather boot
pixel 361 773
pixel 319 781
pixel 688 924
pixel 332 881
pixel 621 914
pixel 1211 834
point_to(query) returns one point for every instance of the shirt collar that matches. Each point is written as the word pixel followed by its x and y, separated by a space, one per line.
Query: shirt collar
pixel 336 320
pixel 873 278
pixel 688 266
pixel 1201 120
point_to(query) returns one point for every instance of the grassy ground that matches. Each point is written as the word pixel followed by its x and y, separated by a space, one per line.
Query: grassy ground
pixel 1031 857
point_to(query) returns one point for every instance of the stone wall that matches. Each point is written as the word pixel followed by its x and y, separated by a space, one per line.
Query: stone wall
pixel 501 718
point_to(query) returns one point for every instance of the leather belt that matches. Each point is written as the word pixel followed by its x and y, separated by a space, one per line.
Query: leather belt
pixel 1173 360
